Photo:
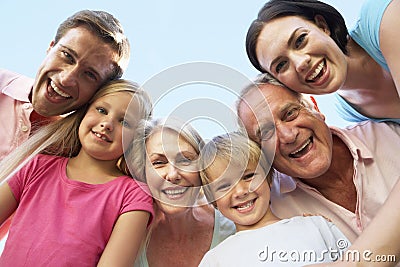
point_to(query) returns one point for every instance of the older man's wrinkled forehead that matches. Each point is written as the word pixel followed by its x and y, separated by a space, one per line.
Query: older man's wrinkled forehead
pixel 264 96
pixel 257 106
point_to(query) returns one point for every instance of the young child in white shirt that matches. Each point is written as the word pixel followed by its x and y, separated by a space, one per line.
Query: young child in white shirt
pixel 236 176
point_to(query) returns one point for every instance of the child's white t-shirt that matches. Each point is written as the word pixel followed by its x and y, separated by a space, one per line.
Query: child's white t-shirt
pixel 289 242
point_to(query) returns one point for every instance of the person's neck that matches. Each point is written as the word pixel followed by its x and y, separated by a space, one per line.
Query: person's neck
pixel 369 87
pixel 359 62
pixel 268 219
pixel 180 238
pixel 38 120
pixel 364 75
pixel 180 225
pixel 336 184
pixel 89 170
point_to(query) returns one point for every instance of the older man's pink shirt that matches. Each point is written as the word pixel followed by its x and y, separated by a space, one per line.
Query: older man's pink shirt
pixel 375 148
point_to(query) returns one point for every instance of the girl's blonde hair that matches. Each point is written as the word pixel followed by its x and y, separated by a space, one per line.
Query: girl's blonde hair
pixel 60 138
pixel 234 148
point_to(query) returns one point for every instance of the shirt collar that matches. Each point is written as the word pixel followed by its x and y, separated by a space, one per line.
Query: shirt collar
pixel 356 146
pixel 19 88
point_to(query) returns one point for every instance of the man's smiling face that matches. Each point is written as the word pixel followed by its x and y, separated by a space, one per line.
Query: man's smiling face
pixel 303 141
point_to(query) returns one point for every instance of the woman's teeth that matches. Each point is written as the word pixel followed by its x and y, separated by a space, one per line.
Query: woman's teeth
pixel 317 71
pixel 173 192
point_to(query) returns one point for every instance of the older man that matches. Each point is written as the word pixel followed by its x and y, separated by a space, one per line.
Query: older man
pixel 343 174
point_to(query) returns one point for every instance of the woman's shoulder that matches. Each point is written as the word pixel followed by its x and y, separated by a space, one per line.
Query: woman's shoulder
pixel 365 32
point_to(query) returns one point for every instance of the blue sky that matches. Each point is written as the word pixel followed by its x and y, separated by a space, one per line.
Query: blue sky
pixel 163 34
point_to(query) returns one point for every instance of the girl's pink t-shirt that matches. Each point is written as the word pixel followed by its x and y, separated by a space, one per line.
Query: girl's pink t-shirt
pixel 63 222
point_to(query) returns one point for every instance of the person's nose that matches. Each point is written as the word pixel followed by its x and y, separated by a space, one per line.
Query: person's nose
pixel 172 174
pixel 69 76
pixel 107 124
pixel 301 61
pixel 287 134
pixel 241 189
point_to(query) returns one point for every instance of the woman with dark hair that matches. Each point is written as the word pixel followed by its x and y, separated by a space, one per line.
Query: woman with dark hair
pixel 306 46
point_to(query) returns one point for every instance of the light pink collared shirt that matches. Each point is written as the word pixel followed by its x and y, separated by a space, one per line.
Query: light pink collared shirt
pixel 375 148
pixel 15 110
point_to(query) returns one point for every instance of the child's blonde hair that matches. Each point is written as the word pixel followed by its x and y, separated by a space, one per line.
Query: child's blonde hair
pixel 60 138
pixel 234 148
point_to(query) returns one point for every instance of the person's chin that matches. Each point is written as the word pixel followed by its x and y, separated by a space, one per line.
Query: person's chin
pixel 42 108
pixel 311 172
pixel 170 208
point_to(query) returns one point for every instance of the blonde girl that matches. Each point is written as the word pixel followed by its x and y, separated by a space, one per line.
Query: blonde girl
pixel 75 202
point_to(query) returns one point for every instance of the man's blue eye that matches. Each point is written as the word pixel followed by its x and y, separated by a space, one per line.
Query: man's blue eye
pixel 91 75
pixel 68 57
pixel 292 114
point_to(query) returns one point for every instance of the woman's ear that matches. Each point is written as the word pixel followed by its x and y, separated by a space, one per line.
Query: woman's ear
pixel 321 23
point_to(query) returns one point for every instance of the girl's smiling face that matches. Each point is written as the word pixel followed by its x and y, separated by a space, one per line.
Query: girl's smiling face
pixel 100 131
pixel 302 55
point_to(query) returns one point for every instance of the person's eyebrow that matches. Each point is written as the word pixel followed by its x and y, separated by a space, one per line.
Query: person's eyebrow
pixel 186 154
pixel 155 154
pixel 285 108
pixel 274 62
pixel 290 40
pixel 73 52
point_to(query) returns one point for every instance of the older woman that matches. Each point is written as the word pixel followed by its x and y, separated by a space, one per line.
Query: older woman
pixel 185 227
